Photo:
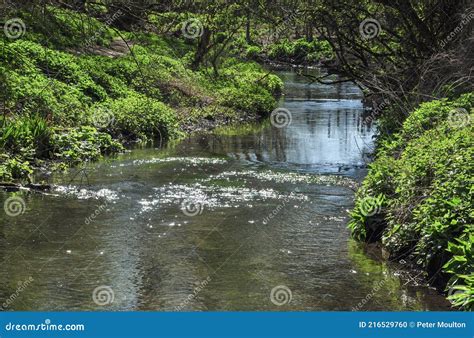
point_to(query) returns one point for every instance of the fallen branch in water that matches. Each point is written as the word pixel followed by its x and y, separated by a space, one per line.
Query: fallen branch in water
pixel 31 187
pixel 320 78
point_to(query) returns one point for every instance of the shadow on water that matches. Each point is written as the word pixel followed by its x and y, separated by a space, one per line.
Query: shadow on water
pixel 247 218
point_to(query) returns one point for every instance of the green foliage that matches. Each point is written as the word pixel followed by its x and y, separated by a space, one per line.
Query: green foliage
pixel 29 140
pixel 48 82
pixel 167 46
pixel 253 52
pixel 425 172
pixel 71 29
pixel 430 114
pixel 461 266
pixel 83 143
pixel 249 98
pixel 363 211
pixel 29 135
pixel 245 87
pixel 300 51
pixel 14 168
pixel 138 116
pixel 64 103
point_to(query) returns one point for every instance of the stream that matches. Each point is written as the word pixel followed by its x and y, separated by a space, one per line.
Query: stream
pixel 244 218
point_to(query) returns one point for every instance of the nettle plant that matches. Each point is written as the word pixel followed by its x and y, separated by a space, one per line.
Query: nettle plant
pixel 461 265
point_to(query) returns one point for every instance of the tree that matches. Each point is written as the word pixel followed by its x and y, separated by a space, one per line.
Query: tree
pixel 397 52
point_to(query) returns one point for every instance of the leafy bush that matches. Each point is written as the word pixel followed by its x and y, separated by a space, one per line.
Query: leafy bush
pixel 28 140
pixel 47 82
pixel 252 52
pixel 26 134
pixel 246 87
pixel 138 116
pixel 461 266
pixel 14 168
pixel 300 51
pixel 248 98
pixel 430 114
pixel 84 143
pixel 362 226
pixel 425 175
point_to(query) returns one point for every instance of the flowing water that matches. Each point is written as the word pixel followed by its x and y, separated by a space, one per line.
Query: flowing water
pixel 246 218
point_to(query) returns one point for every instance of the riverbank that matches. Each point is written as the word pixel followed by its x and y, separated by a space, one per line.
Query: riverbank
pixel 417 197
pixel 83 90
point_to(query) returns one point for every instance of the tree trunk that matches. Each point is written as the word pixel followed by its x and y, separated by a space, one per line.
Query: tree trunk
pixel 202 48
pixel 247 28
pixel 309 31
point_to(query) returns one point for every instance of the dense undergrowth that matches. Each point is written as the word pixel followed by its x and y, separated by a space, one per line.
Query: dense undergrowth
pixel 418 195
pixel 299 51
pixel 64 101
